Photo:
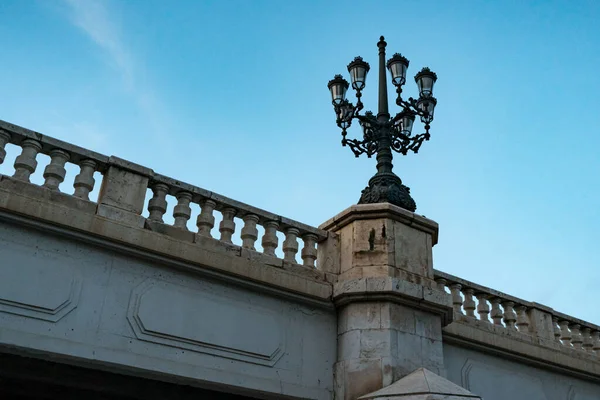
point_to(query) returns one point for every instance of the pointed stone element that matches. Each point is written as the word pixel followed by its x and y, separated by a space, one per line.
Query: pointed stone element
pixel 422 384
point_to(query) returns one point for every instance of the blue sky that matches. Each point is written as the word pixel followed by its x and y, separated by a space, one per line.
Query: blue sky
pixel 231 96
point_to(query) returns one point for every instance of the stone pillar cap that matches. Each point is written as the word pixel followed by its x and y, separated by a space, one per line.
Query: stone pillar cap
pixel 422 384
pixel 382 210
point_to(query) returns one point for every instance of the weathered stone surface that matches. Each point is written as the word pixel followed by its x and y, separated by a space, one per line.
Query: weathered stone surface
pixel 140 314
pixel 123 189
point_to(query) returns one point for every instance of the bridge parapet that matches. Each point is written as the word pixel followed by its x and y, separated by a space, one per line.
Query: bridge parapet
pixel 496 319
pixel 126 187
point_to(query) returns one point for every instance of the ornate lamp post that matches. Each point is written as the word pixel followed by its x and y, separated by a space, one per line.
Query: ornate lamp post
pixel 382 133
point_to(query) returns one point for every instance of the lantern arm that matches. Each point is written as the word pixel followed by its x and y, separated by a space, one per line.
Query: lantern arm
pixel 403 143
pixel 366 146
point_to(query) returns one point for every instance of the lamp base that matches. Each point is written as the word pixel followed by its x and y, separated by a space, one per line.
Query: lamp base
pixel 387 188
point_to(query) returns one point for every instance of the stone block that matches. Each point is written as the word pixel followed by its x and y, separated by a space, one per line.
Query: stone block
pixel 438 297
pixel 123 189
pixel 377 343
pixel 361 376
pixel 432 354
pixel 352 286
pixel 408 289
pixel 373 242
pixel 328 254
pixel 409 349
pixel 349 345
pixel 398 317
pixel 379 284
pixel 412 252
pixel 121 216
pixel 365 315
pixel 175 232
pixel 540 323
pixel 428 325
pixel 346 249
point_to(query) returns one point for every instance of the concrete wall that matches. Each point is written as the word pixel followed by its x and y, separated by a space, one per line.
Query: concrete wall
pixel 94 306
pixel 500 378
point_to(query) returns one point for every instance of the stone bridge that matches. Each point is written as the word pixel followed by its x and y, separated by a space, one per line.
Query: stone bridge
pixel 108 290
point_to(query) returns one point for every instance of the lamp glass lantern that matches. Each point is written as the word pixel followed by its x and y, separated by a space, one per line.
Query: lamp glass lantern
pixel 427 106
pixel 425 80
pixel 406 123
pixel 338 87
pixel 358 73
pixel 397 65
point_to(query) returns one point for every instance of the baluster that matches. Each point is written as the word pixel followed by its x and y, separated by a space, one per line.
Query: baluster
pixel 556 329
pixel 157 206
pixel 249 232
pixel 84 181
pixel 576 338
pixel 4 139
pixel 55 172
pixel 509 315
pixel 483 308
pixel 565 334
pixel 587 339
pixel 309 250
pixel 270 239
pixel 596 342
pixel 441 284
pixel 182 211
pixel 206 220
pixel 26 163
pixel 227 225
pixel 290 245
pixel 496 313
pixel 522 319
pixel 457 300
pixel 469 303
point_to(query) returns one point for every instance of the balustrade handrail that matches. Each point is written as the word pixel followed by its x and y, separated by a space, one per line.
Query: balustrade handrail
pixel 176 186
pixel 33 143
pixel 77 154
pixel 449 279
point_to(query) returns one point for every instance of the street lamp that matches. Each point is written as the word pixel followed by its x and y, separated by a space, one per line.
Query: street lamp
pixel 381 133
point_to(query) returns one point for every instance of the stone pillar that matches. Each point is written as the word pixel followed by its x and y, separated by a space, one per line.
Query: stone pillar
pixel 123 191
pixel 390 310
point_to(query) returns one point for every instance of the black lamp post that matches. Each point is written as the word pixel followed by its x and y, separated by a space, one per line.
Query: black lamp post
pixel 381 133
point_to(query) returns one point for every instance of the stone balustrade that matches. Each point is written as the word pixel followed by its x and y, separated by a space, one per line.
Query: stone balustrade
pixel 184 195
pixel 32 144
pixel 478 304
pixel 125 187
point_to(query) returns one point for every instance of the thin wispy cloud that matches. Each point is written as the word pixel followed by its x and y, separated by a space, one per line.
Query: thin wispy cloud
pixel 92 17
pixel 97 21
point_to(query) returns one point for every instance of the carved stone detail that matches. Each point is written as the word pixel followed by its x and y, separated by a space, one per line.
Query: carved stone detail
pixel 206 220
pixel 192 322
pixel 4 139
pixel 25 163
pixel 182 211
pixel 290 245
pixel 496 312
pixel 510 317
pixel 249 233
pixel 84 181
pixel 227 225
pixel 457 300
pixel 270 240
pixel 309 250
pixel 157 206
pixel 483 308
pixel 55 172
pixel 469 303
pixel 50 298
